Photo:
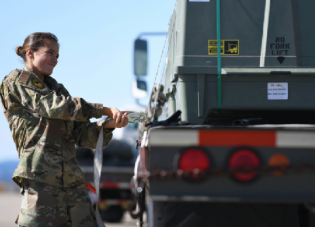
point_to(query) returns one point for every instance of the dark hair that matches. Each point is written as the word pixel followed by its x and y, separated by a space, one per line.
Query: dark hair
pixel 34 41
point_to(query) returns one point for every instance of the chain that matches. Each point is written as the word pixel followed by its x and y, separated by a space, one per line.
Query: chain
pixel 197 173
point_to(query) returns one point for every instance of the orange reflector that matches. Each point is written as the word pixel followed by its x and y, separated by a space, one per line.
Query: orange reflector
pixel 237 138
pixel 279 161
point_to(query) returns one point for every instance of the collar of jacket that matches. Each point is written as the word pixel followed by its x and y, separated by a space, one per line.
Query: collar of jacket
pixel 50 80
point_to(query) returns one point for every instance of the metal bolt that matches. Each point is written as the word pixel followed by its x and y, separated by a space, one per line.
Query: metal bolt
pixel 139 189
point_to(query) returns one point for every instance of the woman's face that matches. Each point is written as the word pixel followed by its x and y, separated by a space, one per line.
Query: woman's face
pixel 44 60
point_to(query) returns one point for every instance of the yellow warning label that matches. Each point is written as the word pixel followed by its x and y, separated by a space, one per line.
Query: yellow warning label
pixel 228 47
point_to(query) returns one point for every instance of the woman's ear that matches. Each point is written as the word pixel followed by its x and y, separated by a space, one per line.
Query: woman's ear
pixel 29 54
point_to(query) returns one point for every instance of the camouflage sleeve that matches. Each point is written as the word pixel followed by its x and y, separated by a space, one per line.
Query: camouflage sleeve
pixel 38 98
pixel 86 133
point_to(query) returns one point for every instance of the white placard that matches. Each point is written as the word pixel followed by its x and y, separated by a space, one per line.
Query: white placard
pixel 277 91
pixel 199 0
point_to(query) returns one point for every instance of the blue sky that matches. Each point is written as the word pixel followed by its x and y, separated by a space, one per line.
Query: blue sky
pixel 96 46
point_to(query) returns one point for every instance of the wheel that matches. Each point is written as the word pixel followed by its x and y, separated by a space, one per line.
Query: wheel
pixel 112 214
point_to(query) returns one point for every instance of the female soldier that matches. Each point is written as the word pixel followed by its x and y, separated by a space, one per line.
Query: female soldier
pixel 46 123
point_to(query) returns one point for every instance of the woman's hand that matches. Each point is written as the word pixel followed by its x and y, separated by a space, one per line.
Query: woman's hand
pixel 119 120
pixel 110 111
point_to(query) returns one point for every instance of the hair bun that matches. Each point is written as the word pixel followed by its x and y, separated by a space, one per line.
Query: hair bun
pixel 19 50
pixel 33 42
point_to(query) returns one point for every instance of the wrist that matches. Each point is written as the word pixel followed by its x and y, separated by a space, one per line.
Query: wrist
pixel 109 123
pixel 106 111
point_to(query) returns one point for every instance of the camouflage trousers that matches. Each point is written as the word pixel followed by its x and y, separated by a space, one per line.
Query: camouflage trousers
pixel 44 205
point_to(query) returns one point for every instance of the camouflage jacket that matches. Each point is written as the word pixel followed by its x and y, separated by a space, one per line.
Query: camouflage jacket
pixel 46 123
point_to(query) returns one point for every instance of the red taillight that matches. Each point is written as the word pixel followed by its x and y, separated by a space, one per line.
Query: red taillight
pixel 194 159
pixel 243 164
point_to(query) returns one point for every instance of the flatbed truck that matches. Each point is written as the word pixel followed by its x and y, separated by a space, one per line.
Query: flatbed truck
pixel 245 154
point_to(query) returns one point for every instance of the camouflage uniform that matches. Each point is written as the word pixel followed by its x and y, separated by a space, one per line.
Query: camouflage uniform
pixel 45 205
pixel 46 123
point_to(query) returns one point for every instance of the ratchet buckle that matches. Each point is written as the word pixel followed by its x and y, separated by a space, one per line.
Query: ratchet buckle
pixel 132 117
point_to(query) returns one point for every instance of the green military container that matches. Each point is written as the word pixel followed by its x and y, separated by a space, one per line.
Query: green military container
pixel 267 57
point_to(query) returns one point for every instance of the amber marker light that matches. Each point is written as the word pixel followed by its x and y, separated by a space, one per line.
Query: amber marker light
pixel 280 162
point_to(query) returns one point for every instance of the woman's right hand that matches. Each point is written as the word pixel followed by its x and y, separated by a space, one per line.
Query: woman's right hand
pixel 119 120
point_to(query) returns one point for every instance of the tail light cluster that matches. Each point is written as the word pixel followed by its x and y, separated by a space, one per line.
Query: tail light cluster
pixel 242 163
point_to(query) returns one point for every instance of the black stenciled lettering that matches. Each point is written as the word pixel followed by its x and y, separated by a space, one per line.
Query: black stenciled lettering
pixel 279 48
pixel 279 52
pixel 280 39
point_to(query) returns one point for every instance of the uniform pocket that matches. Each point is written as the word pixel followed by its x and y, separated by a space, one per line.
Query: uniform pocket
pixel 32 218
pixel 42 205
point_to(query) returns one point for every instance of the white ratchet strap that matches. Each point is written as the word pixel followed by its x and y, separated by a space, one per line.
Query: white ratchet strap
pixel 98 163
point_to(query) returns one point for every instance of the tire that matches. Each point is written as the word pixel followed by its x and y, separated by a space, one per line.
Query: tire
pixel 113 214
